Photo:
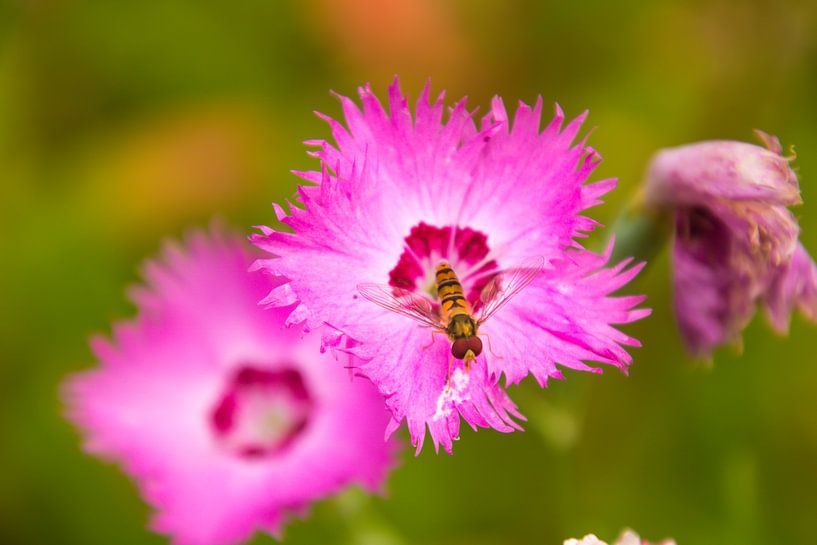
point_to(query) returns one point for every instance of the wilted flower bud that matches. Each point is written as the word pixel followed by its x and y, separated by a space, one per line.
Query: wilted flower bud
pixel 735 239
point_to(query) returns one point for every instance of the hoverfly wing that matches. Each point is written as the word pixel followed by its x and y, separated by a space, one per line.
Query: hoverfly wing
pixel 508 283
pixel 401 301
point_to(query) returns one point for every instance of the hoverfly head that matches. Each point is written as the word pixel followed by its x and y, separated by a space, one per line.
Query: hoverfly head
pixel 467 348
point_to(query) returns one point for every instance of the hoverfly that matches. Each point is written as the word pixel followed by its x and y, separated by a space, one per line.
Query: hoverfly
pixel 454 316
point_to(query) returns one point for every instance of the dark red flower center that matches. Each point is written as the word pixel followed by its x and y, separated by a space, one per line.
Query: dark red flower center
pixel 261 411
pixel 426 246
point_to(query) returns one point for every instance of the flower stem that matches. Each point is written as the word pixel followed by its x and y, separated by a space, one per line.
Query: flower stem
pixel 364 525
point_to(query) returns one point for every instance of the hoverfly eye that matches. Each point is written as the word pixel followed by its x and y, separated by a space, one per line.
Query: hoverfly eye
pixel 459 348
pixel 474 344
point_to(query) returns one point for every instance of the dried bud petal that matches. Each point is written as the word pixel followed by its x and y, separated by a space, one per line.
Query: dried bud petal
pixel 722 169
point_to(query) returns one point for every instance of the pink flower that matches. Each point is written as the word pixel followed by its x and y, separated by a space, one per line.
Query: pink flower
pixel 400 193
pixel 228 420
pixel 735 239
pixel 627 537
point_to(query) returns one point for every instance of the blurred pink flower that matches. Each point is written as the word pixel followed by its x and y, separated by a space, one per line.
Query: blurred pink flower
pixel 228 420
pixel 398 193
pixel 628 537
pixel 735 239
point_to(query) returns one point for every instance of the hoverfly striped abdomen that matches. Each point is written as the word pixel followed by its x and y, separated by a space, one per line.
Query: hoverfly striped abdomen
pixel 450 294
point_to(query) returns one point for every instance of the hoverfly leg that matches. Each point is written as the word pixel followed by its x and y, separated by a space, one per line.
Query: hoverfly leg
pixel 450 363
pixel 490 348
pixel 434 332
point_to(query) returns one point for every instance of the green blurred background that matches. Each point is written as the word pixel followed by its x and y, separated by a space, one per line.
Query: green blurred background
pixel 123 123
